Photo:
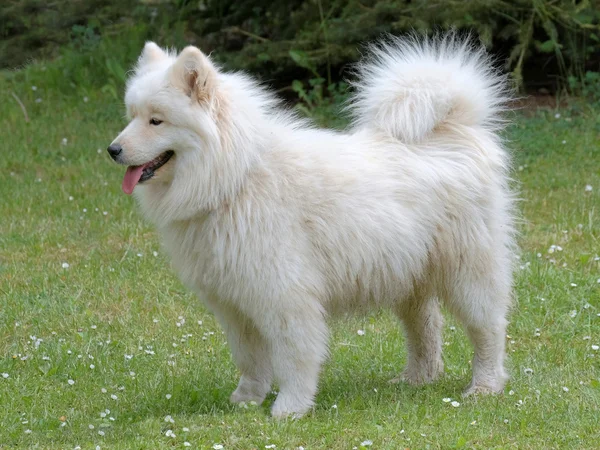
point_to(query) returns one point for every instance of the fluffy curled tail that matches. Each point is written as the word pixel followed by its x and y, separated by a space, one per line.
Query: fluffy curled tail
pixel 409 87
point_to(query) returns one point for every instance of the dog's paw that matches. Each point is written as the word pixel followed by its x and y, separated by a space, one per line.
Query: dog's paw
pixel 287 408
pixel 246 397
pixel 483 389
pixel 419 376
pixel 249 391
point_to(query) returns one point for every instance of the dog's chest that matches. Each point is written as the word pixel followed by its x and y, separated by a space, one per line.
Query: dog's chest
pixel 217 259
pixel 191 246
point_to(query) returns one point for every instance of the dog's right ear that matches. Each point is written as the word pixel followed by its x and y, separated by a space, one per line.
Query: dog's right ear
pixel 152 53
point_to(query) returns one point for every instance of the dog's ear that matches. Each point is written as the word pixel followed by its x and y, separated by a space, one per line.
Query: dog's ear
pixel 152 53
pixel 195 74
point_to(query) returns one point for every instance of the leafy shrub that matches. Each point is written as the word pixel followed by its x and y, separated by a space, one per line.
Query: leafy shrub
pixel 545 43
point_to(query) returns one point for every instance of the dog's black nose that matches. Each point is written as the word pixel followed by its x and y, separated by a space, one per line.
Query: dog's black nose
pixel 114 150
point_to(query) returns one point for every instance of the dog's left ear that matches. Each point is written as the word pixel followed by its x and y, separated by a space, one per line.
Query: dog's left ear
pixel 195 74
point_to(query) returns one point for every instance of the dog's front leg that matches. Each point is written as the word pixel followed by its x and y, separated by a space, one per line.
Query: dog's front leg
pixel 250 352
pixel 297 335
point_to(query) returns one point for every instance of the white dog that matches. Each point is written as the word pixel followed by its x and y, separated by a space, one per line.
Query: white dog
pixel 278 225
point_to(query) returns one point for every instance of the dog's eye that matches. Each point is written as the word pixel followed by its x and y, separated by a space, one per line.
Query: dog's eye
pixel 154 121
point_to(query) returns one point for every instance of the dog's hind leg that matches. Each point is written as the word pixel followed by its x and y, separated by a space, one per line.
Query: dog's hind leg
pixel 250 353
pixel 481 304
pixel 423 322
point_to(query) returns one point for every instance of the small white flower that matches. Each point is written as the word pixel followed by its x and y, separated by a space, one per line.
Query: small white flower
pixel 90 426
pixel 113 396
pixel 566 389
pixel 101 433
pixel 154 253
pixel 168 396
pixel 104 213
pixel 85 99
pixel 38 100
pixel 564 142
pixel 187 444
pixel 65 265
pixel 511 392
pixel 334 407
pixel 169 419
pixel 128 356
pixel 217 447
pixel 71 382
pixel 588 188
pixel 5 375
pixel 34 88
pixel 505 420
pixel 361 332
pixel 557 116
pixel 103 414
pixel 93 327
pixel 64 141
pixel 270 446
pixel 528 371
pixel 185 429
pixel 446 400
pixel 92 366
pixel 573 313
pixel 103 390
pixel 595 347
pixel 455 404
pixel 573 284
pixel 170 433
pixel 366 443
pixel 132 373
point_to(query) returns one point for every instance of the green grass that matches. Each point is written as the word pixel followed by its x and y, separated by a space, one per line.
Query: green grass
pixel 62 203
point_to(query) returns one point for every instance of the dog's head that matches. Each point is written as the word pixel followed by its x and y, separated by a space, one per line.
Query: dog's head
pixel 171 105
pixel 194 133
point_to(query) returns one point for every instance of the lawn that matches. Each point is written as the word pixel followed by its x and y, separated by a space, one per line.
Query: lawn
pixel 102 347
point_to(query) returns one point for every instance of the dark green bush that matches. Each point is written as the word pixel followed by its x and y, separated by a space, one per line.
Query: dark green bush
pixel 545 43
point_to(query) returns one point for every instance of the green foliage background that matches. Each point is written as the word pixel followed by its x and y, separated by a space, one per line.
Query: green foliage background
pixel 545 43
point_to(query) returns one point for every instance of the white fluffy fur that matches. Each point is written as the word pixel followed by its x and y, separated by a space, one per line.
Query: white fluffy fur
pixel 278 226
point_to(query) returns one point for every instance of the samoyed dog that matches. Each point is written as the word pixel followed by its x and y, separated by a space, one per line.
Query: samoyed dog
pixel 278 225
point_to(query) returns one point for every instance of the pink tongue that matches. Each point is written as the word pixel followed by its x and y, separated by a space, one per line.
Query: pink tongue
pixel 132 176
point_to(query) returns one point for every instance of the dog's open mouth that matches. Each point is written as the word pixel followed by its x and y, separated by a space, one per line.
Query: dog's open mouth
pixel 139 174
